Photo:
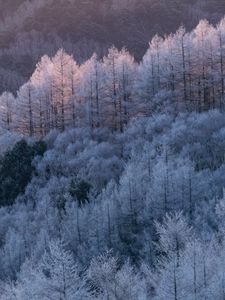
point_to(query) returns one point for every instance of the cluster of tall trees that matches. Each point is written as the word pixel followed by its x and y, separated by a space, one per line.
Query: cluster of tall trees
pixel 181 72
pixel 61 94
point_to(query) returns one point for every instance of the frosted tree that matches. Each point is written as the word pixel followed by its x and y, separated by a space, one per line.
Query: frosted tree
pixel 108 281
pixel 174 233
pixel 150 69
pixel 111 88
pixel 7 111
pixel 26 109
pixel 64 70
pixel 155 48
pixel 61 275
pixel 101 273
pixel 126 74
pixel 182 46
pixel 74 81
pixel 201 70
pixel 221 57
pixel 118 68
pixel 42 83
pixel 91 91
pixel 129 284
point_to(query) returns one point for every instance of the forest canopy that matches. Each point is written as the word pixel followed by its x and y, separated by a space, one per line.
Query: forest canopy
pixel 112 166
pixel 182 72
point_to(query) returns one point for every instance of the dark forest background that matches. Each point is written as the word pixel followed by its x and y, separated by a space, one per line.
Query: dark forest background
pixel 30 29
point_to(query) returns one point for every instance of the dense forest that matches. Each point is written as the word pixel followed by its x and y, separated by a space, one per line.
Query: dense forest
pixel 29 29
pixel 182 72
pixel 112 150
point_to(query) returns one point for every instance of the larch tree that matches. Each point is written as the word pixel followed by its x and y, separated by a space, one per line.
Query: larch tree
pixel 111 91
pixel 7 111
pixel 63 87
pixel 91 90
pixel 26 109
pixel 62 280
pixel 41 80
